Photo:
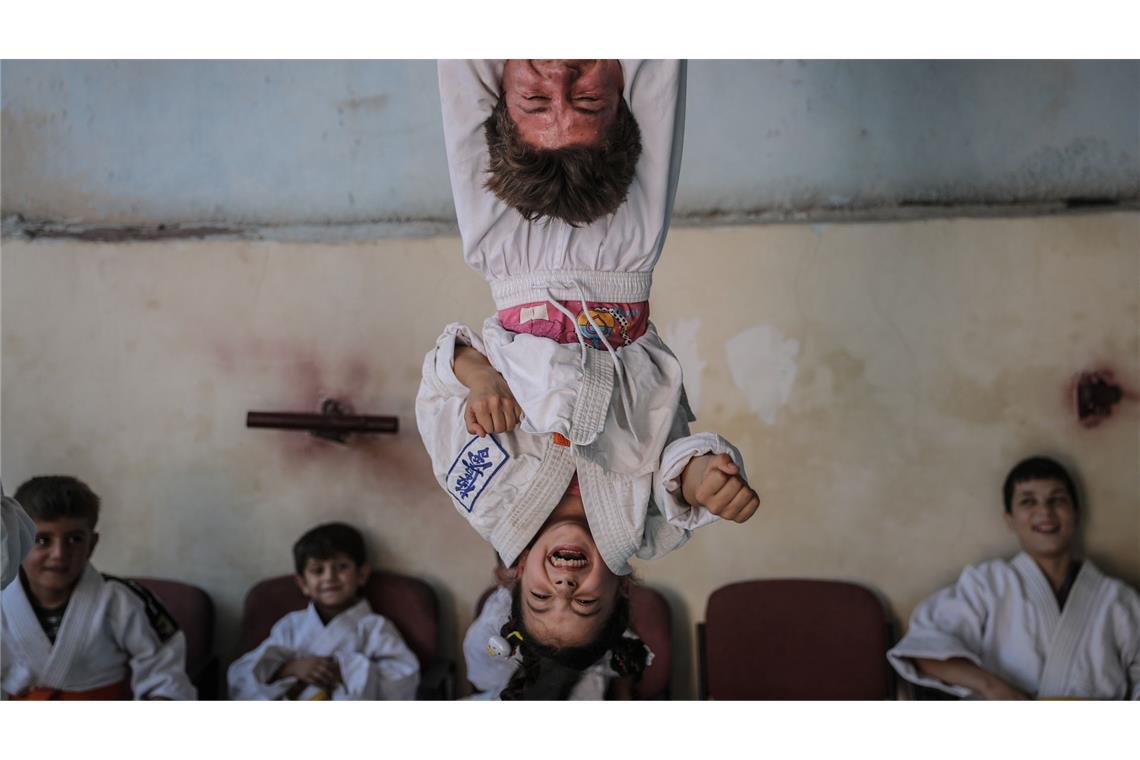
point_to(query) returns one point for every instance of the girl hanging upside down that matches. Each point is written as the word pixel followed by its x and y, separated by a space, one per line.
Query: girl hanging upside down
pixel 568 399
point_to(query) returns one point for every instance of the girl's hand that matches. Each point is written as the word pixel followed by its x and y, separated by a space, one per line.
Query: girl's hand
pixel 491 407
pixel 713 481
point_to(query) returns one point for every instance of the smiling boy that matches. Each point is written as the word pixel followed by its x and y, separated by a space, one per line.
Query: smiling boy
pixel 1044 624
pixel 72 633
pixel 337 647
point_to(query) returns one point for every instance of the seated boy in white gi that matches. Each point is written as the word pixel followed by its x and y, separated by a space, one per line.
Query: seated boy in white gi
pixel 1044 624
pixel 72 633
pixel 337 647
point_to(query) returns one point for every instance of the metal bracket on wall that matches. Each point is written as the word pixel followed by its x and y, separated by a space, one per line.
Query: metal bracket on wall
pixel 335 422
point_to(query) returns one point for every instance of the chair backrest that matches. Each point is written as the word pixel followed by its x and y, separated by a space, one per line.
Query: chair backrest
pixel 652 620
pixel 193 610
pixel 795 639
pixel 408 602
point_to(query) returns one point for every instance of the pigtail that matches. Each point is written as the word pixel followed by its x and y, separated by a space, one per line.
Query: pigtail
pixel 630 657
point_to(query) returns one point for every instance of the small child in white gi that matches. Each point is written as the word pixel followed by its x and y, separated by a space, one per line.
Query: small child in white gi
pixel 73 633
pixel 337 647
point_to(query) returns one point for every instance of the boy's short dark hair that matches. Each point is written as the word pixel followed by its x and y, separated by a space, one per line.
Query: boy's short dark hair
pixel 1037 468
pixel 47 498
pixel 325 541
pixel 576 184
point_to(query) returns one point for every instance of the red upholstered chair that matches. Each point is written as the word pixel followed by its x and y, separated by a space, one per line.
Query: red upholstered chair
pixel 408 602
pixel 193 610
pixel 652 620
pixel 794 639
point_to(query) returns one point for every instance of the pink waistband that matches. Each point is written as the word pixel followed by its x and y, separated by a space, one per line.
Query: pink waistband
pixel 621 323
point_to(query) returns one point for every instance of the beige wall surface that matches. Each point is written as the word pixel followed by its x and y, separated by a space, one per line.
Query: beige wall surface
pixel 879 378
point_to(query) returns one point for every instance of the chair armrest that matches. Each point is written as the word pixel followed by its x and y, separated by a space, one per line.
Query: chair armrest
pixel 437 680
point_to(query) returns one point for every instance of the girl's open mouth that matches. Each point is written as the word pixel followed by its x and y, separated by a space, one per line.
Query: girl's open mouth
pixel 571 557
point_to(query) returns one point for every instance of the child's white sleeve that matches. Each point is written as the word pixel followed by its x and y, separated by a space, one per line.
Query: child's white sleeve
pixel 488 673
pixel 386 669
pixel 438 380
pixel 468 91
pixel 157 649
pixel 17 532
pixel 251 675
pixel 655 92
pixel 667 482
pixel 441 403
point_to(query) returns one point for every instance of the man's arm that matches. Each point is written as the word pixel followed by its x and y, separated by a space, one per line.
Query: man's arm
pixel 962 672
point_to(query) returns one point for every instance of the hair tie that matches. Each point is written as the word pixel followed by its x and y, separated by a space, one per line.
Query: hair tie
pixel 498 646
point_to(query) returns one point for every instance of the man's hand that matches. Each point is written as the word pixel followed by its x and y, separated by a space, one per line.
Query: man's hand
pixel 491 407
pixel 713 481
pixel 996 688
pixel 322 672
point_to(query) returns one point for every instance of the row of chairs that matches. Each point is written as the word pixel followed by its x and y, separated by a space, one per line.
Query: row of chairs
pixel 767 639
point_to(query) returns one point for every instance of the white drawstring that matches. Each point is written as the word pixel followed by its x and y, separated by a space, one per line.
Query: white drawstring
pixel 580 334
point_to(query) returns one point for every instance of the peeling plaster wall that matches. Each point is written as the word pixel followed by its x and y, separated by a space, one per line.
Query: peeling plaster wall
pixel 355 142
pixel 890 375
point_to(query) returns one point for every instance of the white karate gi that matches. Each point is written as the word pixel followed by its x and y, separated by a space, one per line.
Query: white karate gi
pixel 507 484
pixel 112 630
pixel 1003 617
pixel 17 532
pixel 374 661
pixel 490 674
pixel 634 392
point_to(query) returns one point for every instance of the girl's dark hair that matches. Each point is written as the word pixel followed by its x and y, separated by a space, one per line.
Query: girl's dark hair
pixel 551 672
pixel 576 184
pixel 48 498
pixel 1037 468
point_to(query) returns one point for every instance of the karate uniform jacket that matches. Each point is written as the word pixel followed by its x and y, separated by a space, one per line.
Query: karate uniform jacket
pixel 112 630
pixel 506 485
pixel 1002 616
pixel 374 661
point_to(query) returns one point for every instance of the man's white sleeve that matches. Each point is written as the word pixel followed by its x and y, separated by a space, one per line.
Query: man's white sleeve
pixel 948 624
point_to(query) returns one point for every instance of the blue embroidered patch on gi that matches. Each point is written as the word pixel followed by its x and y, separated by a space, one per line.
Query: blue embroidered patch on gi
pixel 473 469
